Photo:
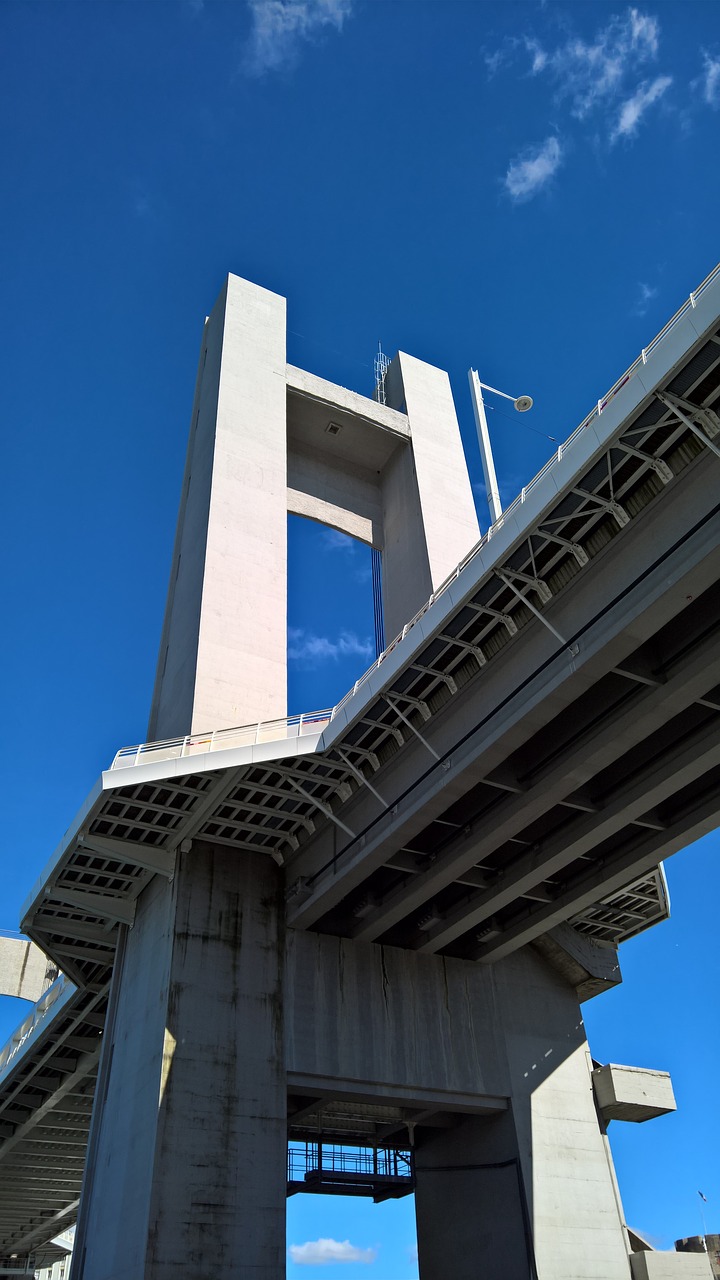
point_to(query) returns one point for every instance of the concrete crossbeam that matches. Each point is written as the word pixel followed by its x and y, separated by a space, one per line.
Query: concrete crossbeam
pixel 23 969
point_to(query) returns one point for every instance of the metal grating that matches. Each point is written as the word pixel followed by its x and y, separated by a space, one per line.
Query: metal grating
pixel 622 915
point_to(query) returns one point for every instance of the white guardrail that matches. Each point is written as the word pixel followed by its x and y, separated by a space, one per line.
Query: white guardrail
pixel 224 739
pixel 39 1011
pixel 316 721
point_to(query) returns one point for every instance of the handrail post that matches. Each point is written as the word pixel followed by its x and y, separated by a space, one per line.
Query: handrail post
pixel 186 740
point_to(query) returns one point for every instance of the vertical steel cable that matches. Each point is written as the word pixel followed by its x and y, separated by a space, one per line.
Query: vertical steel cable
pixel 376 560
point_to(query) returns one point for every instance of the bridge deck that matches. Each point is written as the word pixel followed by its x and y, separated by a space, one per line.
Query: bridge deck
pixel 542 734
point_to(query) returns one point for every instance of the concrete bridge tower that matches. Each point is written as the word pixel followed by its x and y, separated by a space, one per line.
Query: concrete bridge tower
pixel 231 1024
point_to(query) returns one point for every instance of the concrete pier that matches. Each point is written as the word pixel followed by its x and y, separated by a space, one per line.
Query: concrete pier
pixel 375 930
pixel 220 1017
pixel 188 1145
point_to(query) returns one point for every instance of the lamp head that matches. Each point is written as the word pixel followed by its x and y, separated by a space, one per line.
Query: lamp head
pixel 523 403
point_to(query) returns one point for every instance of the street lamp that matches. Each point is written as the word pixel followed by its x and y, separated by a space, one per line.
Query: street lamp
pixel 522 404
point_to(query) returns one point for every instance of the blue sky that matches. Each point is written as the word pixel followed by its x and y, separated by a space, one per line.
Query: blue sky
pixel 531 189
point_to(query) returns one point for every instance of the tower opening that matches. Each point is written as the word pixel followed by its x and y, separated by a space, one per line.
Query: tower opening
pixel 332 616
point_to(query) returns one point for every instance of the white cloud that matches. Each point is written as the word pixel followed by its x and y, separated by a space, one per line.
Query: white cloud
pixel 311 651
pixel 533 169
pixel 632 111
pixel 710 81
pixel 537 53
pixel 334 540
pixel 608 74
pixel 593 72
pixel 325 1252
pixel 495 60
pixel 280 27
pixel 590 73
pixel 645 295
pixel 644 33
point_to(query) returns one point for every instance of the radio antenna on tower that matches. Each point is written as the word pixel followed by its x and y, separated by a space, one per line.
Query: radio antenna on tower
pixel 381 367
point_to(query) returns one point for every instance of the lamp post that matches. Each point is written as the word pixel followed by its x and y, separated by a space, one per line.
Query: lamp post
pixel 522 404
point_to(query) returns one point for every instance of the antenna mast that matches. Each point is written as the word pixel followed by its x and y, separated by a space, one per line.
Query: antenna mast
pixel 381 367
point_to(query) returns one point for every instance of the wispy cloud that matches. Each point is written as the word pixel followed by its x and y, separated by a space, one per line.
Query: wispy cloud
pixel 602 84
pixel 309 650
pixel 529 172
pixel 280 27
pixel 634 108
pixel 538 55
pixel 645 295
pixel 709 82
pixel 334 540
pixel 325 1252
pixel 588 72
pixel 497 59
pixel 606 74
pixel 593 72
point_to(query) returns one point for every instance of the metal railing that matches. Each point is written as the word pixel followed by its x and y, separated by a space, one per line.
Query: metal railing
pixel 557 457
pixel 308 1159
pixel 248 735
pixel 315 721
pixel 37 1014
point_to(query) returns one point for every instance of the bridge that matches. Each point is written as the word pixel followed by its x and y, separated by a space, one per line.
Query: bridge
pixel 510 773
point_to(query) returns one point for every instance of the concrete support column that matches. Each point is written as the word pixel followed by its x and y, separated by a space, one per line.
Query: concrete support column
pixel 222 659
pixel 429 515
pixel 530 1195
pixel 472 1212
pixel 189 1148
